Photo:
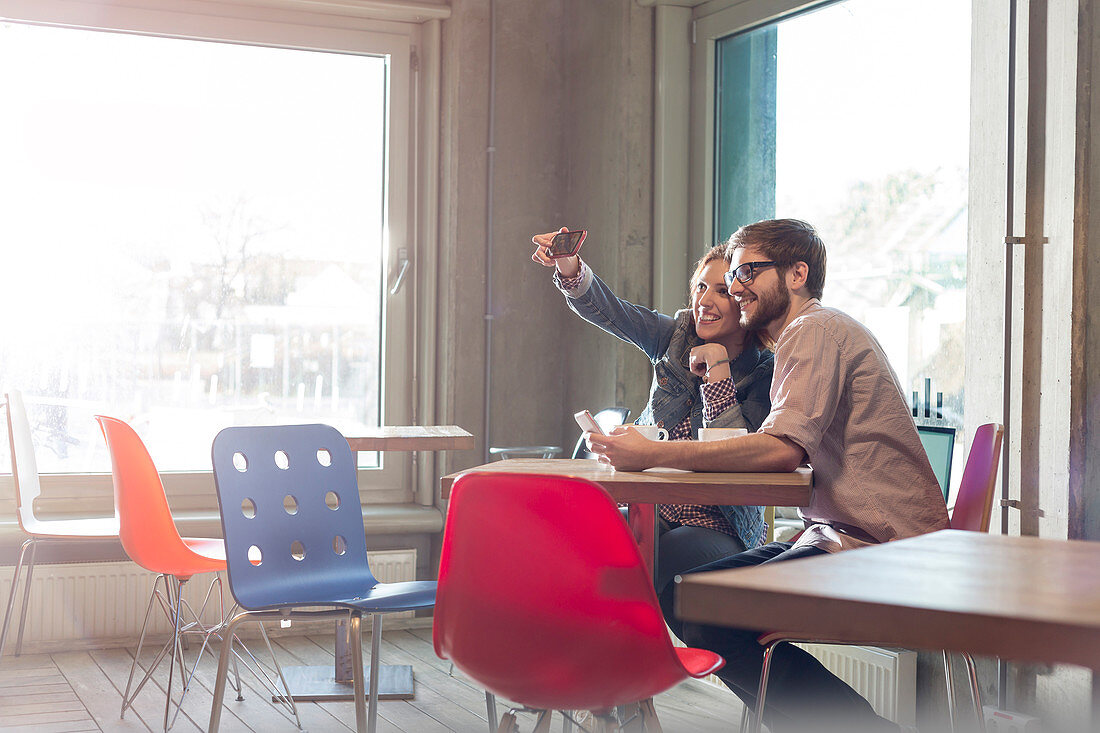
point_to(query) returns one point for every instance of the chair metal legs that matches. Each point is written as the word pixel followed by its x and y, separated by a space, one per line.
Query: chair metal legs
pixel 356 644
pixel 950 691
pixel 762 690
pixel 175 650
pixel 491 710
pixel 228 633
pixel 375 668
pixel 975 692
pixel 172 604
pixel 30 544
pixel 175 607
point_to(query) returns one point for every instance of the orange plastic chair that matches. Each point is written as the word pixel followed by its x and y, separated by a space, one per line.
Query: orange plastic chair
pixel 150 538
pixel 544 599
pixel 972 512
pixel 27 488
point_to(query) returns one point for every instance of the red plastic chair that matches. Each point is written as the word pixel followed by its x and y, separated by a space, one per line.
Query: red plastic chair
pixel 150 538
pixel 974 503
pixel 972 511
pixel 544 599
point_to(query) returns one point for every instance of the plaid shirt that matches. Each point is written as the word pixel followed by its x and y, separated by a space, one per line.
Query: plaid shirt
pixel 717 397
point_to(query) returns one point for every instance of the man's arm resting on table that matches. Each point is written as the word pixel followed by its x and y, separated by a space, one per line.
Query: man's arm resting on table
pixel 755 452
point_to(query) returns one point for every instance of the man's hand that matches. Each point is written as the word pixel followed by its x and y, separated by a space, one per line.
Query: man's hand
pixel 626 449
pixel 702 359
pixel 567 266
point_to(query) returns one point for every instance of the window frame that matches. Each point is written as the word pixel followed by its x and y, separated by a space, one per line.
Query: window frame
pixel 712 22
pixel 404 31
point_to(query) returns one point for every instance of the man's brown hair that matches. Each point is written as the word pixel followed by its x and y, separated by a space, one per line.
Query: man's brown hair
pixel 786 241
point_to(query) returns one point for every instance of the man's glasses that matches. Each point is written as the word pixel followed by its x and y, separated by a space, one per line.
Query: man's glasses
pixel 745 273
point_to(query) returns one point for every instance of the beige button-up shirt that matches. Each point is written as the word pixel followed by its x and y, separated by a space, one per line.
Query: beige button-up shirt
pixel 835 394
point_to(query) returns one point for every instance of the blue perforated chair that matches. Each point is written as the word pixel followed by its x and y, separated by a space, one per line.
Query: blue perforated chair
pixel 294 537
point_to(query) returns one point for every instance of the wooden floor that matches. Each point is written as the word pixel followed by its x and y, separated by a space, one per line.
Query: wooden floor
pixel 80 691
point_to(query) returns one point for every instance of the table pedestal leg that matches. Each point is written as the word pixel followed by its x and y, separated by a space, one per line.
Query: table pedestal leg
pixel 643 523
pixel 314 683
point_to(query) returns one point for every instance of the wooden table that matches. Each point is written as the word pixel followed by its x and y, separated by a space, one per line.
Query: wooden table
pixel 413 437
pixel 1013 597
pixel 314 683
pixel 644 489
pixel 664 486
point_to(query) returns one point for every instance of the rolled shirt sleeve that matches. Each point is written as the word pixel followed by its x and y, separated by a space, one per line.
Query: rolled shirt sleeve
pixel 806 387
pixel 717 398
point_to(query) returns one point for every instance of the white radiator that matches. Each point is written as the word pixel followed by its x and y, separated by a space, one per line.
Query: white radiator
pixel 100 604
pixel 886 678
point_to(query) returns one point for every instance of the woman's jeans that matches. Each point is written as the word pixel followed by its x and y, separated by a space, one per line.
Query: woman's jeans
pixel 681 548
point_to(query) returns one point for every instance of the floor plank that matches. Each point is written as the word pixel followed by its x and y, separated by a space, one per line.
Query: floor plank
pixel 47 716
pixel 149 703
pixel 39 706
pixel 100 696
pixel 25 661
pixel 82 691
pixel 24 677
pixel 70 726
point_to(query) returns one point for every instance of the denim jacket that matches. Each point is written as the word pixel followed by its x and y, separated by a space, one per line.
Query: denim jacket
pixel 675 391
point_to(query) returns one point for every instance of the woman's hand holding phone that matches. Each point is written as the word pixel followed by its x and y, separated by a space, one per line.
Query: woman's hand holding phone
pixel 568 266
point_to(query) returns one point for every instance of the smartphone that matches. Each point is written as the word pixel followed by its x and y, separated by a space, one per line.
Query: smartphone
pixel 566 244
pixel 588 423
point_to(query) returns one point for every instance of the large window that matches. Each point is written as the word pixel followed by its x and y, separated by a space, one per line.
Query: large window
pixel 855 117
pixel 203 233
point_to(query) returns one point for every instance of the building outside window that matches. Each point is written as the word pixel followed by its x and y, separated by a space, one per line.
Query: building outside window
pixel 202 233
pixel 855 117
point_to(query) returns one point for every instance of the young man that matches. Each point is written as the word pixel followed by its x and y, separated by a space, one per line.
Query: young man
pixel 837 404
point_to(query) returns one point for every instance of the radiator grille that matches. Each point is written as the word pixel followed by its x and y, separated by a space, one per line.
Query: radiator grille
pixel 97 603
pixel 886 678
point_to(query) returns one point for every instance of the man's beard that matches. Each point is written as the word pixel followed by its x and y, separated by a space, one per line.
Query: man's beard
pixel 770 305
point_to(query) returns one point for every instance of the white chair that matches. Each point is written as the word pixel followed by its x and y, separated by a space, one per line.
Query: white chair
pixel 27 488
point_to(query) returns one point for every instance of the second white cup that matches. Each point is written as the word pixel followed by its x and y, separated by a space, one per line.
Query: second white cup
pixel 720 433
pixel 652 432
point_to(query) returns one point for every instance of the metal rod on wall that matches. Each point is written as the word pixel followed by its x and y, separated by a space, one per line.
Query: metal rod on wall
pixel 490 158
pixel 1002 667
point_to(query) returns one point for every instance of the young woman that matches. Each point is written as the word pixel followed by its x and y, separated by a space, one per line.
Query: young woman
pixel 707 372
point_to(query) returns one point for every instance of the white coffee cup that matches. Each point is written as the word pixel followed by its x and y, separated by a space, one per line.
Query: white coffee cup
pixel 651 432
pixel 720 433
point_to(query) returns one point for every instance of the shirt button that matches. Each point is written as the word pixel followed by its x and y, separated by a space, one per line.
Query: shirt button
pixel 663 381
pixel 661 424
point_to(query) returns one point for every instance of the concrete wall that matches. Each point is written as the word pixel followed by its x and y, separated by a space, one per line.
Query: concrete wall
pixel 573 147
pixel 1053 457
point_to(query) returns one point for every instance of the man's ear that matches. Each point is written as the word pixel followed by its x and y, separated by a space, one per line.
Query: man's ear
pixel 797 275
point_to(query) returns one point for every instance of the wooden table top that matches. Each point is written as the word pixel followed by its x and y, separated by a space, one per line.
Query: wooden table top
pixel 666 486
pixel 1014 597
pixel 413 437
